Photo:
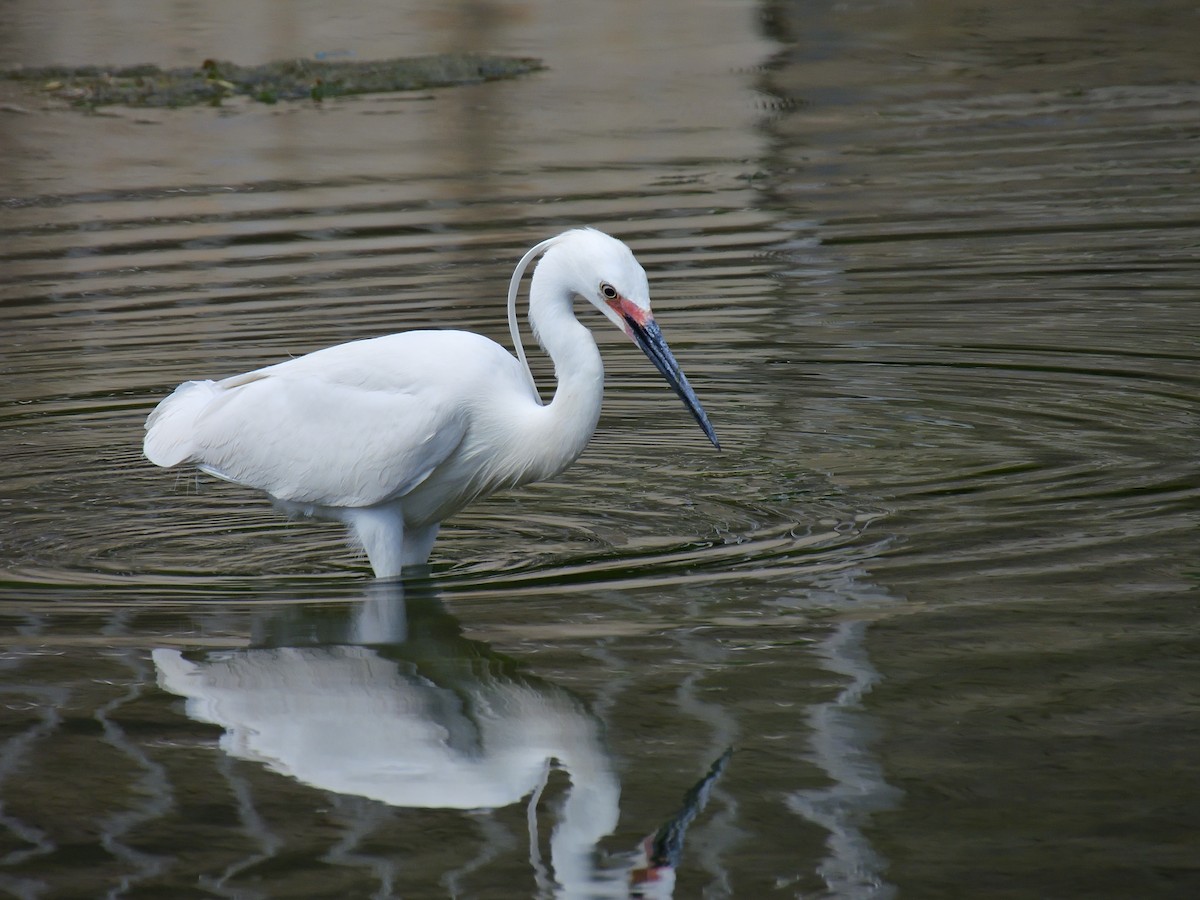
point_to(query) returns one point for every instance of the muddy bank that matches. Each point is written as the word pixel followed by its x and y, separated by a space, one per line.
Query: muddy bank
pixel 212 82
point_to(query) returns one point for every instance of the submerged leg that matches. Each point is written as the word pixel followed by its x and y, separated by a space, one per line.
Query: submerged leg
pixel 390 547
pixel 380 530
pixel 418 543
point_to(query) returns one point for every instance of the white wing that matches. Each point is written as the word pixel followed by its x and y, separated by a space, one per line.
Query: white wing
pixel 352 425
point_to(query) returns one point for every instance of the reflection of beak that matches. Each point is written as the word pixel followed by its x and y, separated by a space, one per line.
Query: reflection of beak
pixel 653 873
pixel 647 335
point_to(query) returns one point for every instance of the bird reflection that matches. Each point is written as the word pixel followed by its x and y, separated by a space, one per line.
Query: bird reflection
pixel 390 701
pixel 652 874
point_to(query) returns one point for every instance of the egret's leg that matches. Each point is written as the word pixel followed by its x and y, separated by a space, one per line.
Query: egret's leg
pixel 380 530
pixel 418 543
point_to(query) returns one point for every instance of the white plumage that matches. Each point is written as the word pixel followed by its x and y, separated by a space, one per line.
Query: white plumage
pixel 393 434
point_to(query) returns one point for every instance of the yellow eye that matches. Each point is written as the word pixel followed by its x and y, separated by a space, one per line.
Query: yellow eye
pixel 609 292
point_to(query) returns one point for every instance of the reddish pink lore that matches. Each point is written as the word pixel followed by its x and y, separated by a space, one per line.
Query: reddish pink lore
pixel 627 309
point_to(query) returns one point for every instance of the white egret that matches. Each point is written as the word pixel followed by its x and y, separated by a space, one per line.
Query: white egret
pixel 391 435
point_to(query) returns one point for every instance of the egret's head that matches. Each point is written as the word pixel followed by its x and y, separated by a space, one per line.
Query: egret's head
pixel 602 270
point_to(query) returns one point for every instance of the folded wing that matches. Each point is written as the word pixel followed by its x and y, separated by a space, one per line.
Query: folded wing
pixel 350 428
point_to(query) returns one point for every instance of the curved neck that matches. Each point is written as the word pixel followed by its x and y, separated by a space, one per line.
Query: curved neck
pixel 571 416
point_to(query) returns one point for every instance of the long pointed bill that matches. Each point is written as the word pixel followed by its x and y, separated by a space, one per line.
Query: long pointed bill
pixel 646 334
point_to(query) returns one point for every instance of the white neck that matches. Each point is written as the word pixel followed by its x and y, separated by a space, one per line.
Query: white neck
pixel 570 418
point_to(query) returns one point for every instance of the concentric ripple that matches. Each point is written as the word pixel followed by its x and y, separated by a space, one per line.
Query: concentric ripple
pixel 142 310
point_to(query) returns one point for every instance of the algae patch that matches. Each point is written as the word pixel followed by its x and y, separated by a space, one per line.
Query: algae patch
pixel 212 82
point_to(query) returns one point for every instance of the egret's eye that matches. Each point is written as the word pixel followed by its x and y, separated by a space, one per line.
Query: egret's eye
pixel 609 292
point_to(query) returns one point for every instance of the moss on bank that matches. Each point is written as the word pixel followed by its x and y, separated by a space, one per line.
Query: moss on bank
pixel 213 81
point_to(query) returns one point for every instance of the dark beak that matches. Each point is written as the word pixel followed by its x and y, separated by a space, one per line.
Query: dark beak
pixel 654 345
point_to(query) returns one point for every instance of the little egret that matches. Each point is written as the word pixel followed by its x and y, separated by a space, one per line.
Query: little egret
pixel 391 435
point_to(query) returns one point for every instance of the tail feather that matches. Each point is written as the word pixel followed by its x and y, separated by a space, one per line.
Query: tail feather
pixel 171 428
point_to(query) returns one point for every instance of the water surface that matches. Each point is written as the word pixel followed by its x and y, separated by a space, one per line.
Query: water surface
pixel 931 268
